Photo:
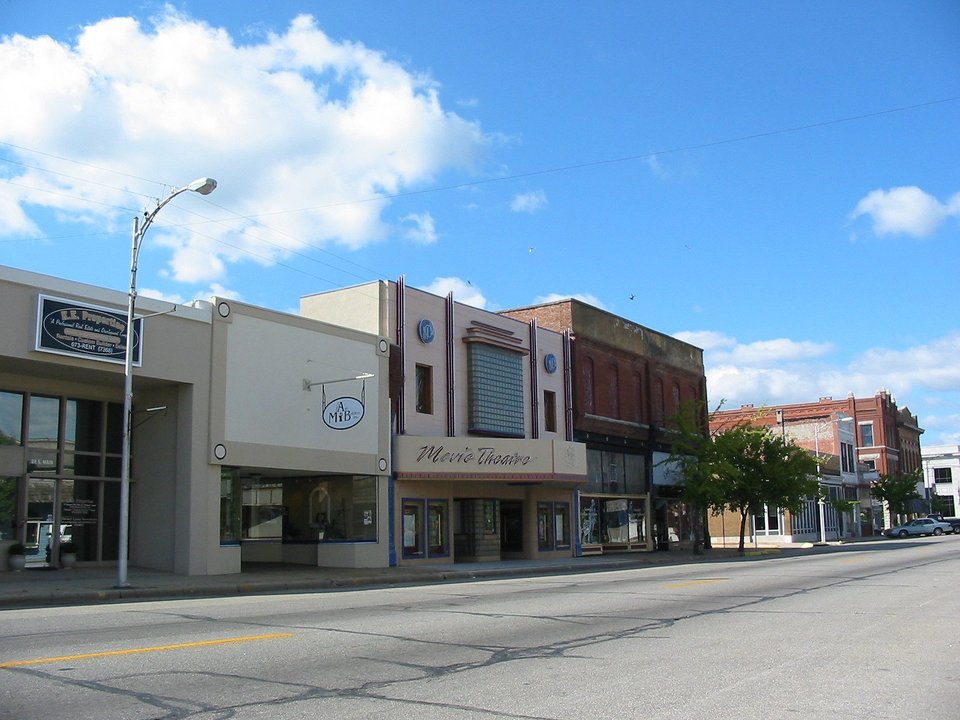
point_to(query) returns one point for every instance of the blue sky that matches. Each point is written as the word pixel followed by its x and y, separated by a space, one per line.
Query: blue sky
pixel 775 182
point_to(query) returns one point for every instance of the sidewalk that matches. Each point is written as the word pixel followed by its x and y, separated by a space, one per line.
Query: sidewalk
pixel 92 585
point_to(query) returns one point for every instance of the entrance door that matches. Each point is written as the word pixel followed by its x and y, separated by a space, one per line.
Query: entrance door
pixel 511 527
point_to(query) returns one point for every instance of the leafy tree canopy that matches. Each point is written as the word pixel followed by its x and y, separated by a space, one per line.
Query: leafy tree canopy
pixel 897 491
pixel 741 469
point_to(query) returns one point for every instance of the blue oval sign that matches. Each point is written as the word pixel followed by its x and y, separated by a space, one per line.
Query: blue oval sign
pixel 425 331
pixel 343 413
pixel 550 363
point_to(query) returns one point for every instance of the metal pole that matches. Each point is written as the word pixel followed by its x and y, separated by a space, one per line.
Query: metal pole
pixel 204 186
pixel 127 412
pixel 823 517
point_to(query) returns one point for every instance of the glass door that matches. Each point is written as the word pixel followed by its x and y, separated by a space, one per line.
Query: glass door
pixel 40 528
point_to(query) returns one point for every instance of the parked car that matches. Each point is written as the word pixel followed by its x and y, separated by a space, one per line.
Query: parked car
pixel 955 522
pixel 920 526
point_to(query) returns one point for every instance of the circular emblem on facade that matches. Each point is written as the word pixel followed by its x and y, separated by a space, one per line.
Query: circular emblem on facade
pixel 550 362
pixel 382 464
pixel 223 309
pixel 384 345
pixel 425 331
pixel 220 452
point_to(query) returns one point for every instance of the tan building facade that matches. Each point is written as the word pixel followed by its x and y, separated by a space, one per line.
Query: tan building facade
pixel 252 436
pixel 484 468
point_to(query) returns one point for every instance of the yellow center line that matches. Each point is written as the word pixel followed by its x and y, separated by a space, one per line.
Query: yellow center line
pixel 691 583
pixel 134 651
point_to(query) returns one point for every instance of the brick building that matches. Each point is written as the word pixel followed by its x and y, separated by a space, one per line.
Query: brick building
pixel 628 382
pixel 859 438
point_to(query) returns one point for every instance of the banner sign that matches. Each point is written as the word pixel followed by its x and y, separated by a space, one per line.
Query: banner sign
pixel 67 327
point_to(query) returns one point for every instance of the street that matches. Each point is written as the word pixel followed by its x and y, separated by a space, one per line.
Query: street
pixel 861 631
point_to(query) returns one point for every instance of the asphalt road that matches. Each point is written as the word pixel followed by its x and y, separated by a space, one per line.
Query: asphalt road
pixel 866 631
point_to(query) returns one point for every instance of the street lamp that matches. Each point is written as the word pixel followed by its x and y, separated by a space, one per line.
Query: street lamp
pixel 822 503
pixel 204 186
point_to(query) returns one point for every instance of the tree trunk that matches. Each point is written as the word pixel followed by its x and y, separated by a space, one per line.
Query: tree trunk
pixel 743 527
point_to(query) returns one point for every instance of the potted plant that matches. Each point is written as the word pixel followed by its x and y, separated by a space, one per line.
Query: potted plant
pixel 68 554
pixel 17 556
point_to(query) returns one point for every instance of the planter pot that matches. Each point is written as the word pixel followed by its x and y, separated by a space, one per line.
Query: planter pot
pixel 68 560
pixel 17 562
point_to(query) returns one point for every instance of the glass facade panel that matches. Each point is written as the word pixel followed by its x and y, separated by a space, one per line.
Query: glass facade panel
pixel 80 516
pixel 437 511
pixel 616 473
pixel 44 428
pixel 11 418
pixel 8 508
pixel 413 529
pixel 635 474
pixel 231 494
pixel 495 378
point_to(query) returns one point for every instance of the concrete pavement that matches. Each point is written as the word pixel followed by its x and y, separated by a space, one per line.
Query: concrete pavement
pixel 85 585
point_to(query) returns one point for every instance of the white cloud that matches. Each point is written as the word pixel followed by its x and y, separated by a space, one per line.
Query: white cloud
pixel 785 371
pixel 530 202
pixel 462 291
pixel 707 339
pixel 306 136
pixel 583 297
pixel 905 210
pixel 421 228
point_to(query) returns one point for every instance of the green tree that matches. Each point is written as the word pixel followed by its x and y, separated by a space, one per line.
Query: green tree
pixel 691 448
pixel 897 491
pixel 742 469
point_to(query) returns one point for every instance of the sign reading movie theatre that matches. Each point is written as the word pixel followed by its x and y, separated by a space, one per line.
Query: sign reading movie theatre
pixel 67 327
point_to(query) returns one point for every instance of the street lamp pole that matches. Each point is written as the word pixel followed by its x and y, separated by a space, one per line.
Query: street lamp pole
pixel 822 502
pixel 204 186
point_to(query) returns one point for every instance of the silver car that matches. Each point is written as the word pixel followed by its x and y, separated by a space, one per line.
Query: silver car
pixel 920 526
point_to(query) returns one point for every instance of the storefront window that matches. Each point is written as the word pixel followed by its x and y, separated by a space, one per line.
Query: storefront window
pixel 619 520
pixel 543 526
pixel 341 508
pixel 230 506
pixel 432 539
pixel 561 525
pixel 80 516
pixel 437 510
pixel 413 529
pixel 489 517
pixel 553 525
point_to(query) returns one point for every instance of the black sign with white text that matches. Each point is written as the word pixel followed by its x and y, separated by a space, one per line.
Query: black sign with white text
pixel 67 327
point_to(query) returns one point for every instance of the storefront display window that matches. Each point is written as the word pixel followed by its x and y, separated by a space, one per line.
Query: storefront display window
pixel 335 508
pixel 413 529
pixel 615 521
pixel 426 540
pixel 230 506
pixel 553 525
pixel 437 510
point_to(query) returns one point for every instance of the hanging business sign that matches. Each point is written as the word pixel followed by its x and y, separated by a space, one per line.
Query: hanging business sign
pixel 344 412
pixel 66 327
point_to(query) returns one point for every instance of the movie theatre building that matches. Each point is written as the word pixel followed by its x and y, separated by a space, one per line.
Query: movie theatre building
pixel 484 467
pixel 256 435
